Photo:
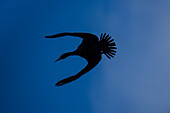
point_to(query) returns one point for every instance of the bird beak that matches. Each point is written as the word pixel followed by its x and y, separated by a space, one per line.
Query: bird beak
pixel 57 59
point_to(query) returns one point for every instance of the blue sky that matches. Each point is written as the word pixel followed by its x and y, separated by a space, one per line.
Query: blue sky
pixel 135 81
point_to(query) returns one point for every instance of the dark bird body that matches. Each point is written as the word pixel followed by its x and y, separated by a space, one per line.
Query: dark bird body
pixel 91 49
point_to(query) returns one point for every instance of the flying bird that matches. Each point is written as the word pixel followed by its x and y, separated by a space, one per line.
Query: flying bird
pixel 91 49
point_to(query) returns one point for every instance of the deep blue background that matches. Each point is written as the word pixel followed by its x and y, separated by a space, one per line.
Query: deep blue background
pixel 136 81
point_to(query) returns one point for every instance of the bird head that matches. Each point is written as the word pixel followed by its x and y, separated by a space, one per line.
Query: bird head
pixel 107 45
pixel 63 56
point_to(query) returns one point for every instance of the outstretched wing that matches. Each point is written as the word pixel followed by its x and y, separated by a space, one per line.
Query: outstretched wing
pixel 81 35
pixel 91 64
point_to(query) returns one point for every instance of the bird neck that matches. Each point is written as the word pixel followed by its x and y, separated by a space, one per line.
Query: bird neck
pixel 71 53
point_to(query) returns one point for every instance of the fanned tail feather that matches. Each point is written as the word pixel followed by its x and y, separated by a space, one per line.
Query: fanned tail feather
pixel 107 45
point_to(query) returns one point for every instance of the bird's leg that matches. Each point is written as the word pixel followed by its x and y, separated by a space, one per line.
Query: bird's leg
pixel 65 55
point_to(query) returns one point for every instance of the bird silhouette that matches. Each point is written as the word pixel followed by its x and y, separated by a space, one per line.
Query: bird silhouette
pixel 91 49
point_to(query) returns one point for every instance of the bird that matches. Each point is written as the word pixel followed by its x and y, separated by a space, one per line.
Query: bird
pixel 90 49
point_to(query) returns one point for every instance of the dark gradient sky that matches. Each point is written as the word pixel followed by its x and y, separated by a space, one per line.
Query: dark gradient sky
pixel 136 81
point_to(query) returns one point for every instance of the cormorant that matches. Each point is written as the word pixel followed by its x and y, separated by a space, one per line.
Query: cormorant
pixel 91 49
